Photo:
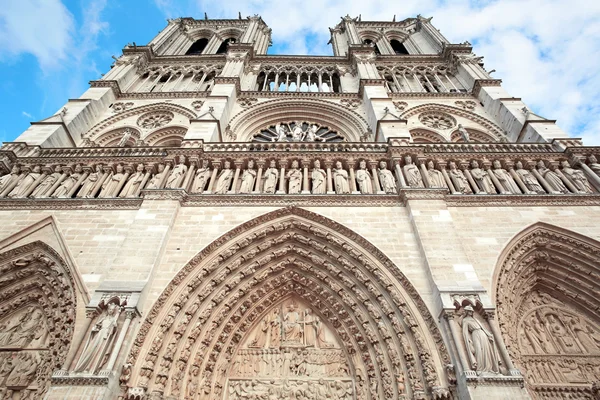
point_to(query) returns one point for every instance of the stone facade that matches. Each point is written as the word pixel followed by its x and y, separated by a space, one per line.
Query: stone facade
pixel 211 222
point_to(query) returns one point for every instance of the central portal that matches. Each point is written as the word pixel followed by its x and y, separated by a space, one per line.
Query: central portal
pixel 290 353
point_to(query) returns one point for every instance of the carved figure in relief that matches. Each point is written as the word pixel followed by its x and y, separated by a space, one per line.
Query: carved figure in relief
pixel 275 329
pixel 506 180
pixel 99 341
pixel 66 185
pixel 535 333
pixel 311 134
pixel 90 183
pixel 47 183
pixel 585 334
pixel 248 178
pixel 319 179
pixel 386 178
pixel 24 371
pixel 480 345
pixel 460 181
pixel 340 179
pixel 24 330
pixel 436 179
pixel 292 328
pixel 482 179
pixel 157 178
pixel 564 338
pixel 111 184
pixel 577 177
pixel 411 171
pixel 7 179
pixel 270 178
pixel 202 177
pixel 260 338
pixel 297 133
pixel 363 177
pixel 26 182
pixel 133 183
pixel 224 179
pixel 528 179
pixel 281 133
pixel 554 181
pixel 593 164
pixel 294 177
pixel 463 133
pixel 175 179
pixel 125 138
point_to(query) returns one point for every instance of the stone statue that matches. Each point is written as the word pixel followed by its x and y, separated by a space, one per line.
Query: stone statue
pixel 319 179
pixel 292 327
pixel 260 338
pixel 294 177
pixel 275 329
pixel 297 133
pixel 436 179
pixel 90 183
pixel 125 138
pixel 281 133
pixel 460 181
pixel 506 180
pixel 7 179
pixel 463 133
pixel 528 179
pixel 134 182
pixel 65 186
pixel 22 332
pixel 554 181
pixel 340 179
pixel 202 177
pixel 99 341
pixel 111 184
pixel 311 135
pixel 270 178
pixel 175 179
pixel 248 178
pixel 25 183
pixel 593 164
pixel 577 177
pixel 155 181
pixel 386 178
pixel 411 171
pixel 363 177
pixel 224 179
pixel 480 345
pixel 43 188
pixel 482 179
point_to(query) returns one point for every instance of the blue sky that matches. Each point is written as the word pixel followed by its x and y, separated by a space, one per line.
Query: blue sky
pixel 546 51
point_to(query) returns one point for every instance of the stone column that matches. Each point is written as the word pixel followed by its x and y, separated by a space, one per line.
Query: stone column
pixel 592 177
pixel 101 180
pixel 128 169
pixel 213 178
pixel 305 188
pixel 39 180
pixel 77 184
pixel 541 180
pixel 330 189
pixel 261 165
pixel 449 316
pixel 511 170
pixel 399 175
pixel 57 183
pixel 490 317
pixel 238 167
pixel 488 168
pixel 353 188
pixel 442 167
pixel 566 181
pixel 165 176
pixel 144 181
pixel 465 169
pixel 189 176
pixel 281 178
pixel 376 185
pixel 77 341
pixel 424 173
pixel 129 315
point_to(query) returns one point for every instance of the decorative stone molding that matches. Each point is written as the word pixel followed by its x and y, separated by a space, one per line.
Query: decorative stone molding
pixel 153 120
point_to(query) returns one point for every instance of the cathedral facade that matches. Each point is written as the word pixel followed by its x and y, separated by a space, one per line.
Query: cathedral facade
pixel 211 222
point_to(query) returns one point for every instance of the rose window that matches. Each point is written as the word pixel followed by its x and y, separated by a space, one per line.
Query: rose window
pixel 437 120
pixel 155 120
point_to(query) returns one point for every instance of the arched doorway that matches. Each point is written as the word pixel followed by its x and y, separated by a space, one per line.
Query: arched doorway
pixel 547 285
pixel 290 302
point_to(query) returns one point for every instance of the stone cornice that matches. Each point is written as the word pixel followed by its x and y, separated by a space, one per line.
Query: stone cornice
pixel 479 83
pixel 300 95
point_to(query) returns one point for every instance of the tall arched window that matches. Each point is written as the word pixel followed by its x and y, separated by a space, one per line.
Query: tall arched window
pixel 398 47
pixel 223 48
pixel 197 47
pixel 369 42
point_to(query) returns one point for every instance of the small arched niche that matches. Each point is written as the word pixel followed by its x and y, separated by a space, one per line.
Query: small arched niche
pixel 198 47
pixel 398 47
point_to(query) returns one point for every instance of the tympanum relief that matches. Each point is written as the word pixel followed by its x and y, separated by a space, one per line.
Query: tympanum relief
pixel 290 353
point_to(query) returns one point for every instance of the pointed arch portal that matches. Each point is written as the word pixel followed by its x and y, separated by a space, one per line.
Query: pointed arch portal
pixel 547 288
pixel 286 304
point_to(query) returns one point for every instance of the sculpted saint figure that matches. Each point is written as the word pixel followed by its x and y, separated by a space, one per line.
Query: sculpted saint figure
pixel 363 177
pixel 111 184
pixel 482 179
pixel 528 179
pixel 481 349
pixel 554 181
pixel 463 133
pixel 248 178
pixel 224 179
pixel 270 178
pixel 90 183
pixel 311 135
pixel 99 341
pixel 319 177
pixel 134 182
pixel 340 179
pixel 260 336
pixel 155 181
pixel 7 179
pixel 281 133
pixel 292 327
pixel 202 177
pixel 386 178
pixel 125 138
pixel 593 164
pixel 577 177
pixel 413 176
pixel 175 179
pixel 506 181
pixel 294 177
pixel 436 179
pixel 26 182
pixel 43 188
pixel 65 186
pixel 297 132
pixel 275 327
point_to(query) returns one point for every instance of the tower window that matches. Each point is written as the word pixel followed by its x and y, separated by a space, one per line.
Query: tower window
pixel 369 42
pixel 398 47
pixel 197 47
pixel 223 48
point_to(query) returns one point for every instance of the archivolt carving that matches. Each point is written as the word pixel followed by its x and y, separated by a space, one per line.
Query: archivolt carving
pixel 170 136
pixel 332 115
pixel 425 136
pixel 547 295
pixel 474 136
pixel 211 311
pixel 36 319
pixel 493 129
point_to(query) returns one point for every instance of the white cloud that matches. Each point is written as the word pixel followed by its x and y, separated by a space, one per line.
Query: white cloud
pixel 26 114
pixel 40 27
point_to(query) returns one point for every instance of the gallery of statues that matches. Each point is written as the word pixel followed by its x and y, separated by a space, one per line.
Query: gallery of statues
pixel 211 222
